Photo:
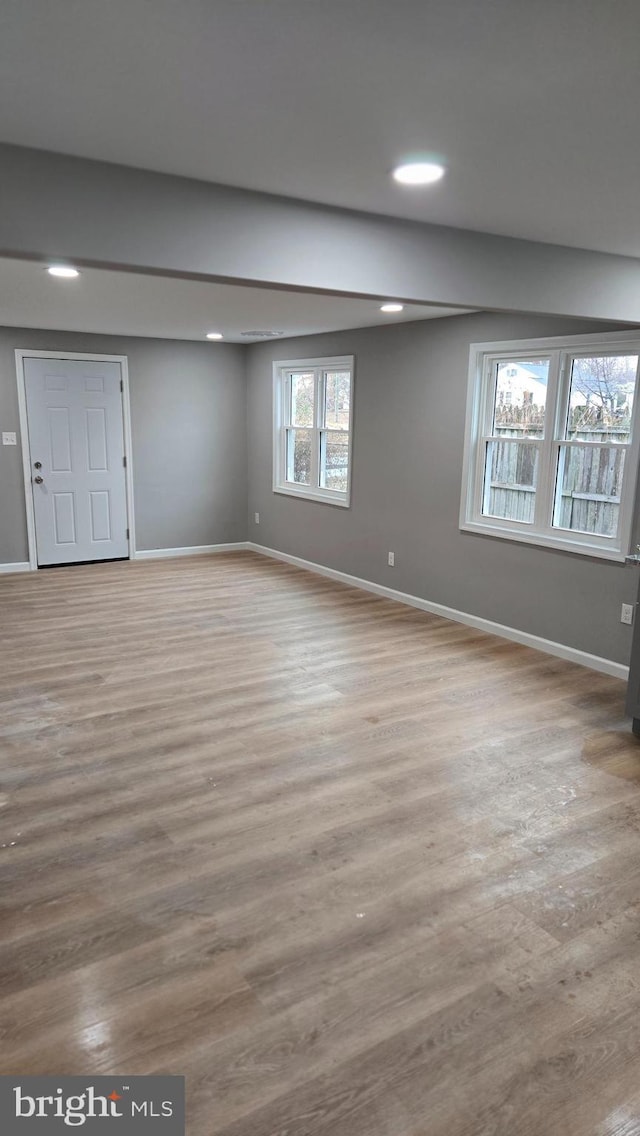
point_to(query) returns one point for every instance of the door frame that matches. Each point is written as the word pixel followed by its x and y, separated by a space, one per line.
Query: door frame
pixel 23 353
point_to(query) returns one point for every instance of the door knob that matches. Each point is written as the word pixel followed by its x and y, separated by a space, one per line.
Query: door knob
pixel 38 480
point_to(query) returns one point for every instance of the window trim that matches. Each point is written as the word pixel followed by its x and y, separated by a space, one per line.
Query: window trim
pixel 481 357
pixel 281 370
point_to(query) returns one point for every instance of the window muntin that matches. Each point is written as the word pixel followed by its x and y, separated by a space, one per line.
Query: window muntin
pixel 520 397
pixel 510 481
pixel 299 445
pixel 301 398
pixel 588 489
pixel 551 447
pixel 334 460
pixel 313 428
pixel 601 398
pixel 597 408
pixel 515 411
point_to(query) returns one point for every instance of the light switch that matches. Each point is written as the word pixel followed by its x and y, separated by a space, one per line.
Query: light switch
pixel 9 438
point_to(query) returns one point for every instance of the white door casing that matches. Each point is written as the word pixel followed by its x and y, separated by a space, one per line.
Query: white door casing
pixel 75 423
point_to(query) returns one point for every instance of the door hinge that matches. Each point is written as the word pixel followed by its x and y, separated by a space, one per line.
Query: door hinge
pixel 127 534
pixel 121 386
pixel 124 461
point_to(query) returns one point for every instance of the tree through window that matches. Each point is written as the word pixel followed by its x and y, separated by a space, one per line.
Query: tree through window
pixel 552 443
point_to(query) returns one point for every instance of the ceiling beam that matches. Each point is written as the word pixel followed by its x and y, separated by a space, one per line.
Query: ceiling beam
pixel 95 213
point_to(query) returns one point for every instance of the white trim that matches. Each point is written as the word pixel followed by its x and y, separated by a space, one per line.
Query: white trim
pixel 194 550
pixel 26 460
pixel 320 495
pixel 23 353
pixel 330 362
pixel 562 543
pixel 549 646
pixel 281 369
pixel 128 450
pixel 618 339
pixel 471 518
pixel 560 650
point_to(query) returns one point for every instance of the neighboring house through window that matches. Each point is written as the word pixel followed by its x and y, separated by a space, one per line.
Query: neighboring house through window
pixel 551 449
pixel 313 428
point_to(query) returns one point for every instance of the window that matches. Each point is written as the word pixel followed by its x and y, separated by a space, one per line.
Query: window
pixel 551 449
pixel 313 428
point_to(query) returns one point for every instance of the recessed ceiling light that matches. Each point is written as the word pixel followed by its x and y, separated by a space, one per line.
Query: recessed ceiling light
pixel 418 173
pixel 64 270
pixel 392 308
pixel 215 335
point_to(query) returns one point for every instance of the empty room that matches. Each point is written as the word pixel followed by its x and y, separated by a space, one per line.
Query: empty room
pixel 319 550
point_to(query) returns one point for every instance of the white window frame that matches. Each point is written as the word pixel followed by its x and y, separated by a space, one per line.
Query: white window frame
pixel 480 395
pixel 282 371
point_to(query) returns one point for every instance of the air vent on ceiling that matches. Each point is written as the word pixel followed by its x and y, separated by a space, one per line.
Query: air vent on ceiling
pixel 261 334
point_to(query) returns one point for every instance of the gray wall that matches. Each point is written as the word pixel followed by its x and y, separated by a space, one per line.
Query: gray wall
pixel 188 425
pixel 409 416
pixel 188 405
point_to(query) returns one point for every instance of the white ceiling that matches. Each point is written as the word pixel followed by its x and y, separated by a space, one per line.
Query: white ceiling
pixel 532 103
pixel 124 303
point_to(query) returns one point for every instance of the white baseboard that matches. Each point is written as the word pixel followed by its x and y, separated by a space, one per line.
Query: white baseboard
pixel 549 646
pixel 19 566
pixel 194 550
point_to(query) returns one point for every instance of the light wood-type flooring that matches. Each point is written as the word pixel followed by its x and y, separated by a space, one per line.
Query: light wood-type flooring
pixel 352 869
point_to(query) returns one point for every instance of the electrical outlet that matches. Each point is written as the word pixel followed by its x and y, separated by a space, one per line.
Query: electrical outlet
pixel 391 559
pixel 626 613
pixel 256 517
pixel 9 438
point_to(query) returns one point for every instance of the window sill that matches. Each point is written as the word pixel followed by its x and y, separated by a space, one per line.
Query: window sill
pixel 561 544
pixel 314 495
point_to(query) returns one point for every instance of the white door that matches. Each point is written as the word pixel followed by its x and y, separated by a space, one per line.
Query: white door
pixel 76 445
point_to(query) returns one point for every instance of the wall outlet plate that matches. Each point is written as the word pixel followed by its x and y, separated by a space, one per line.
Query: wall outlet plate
pixel 391 560
pixel 256 517
pixel 9 438
pixel 626 613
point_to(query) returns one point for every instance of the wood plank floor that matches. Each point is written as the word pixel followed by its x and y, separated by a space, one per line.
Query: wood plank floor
pixel 353 869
